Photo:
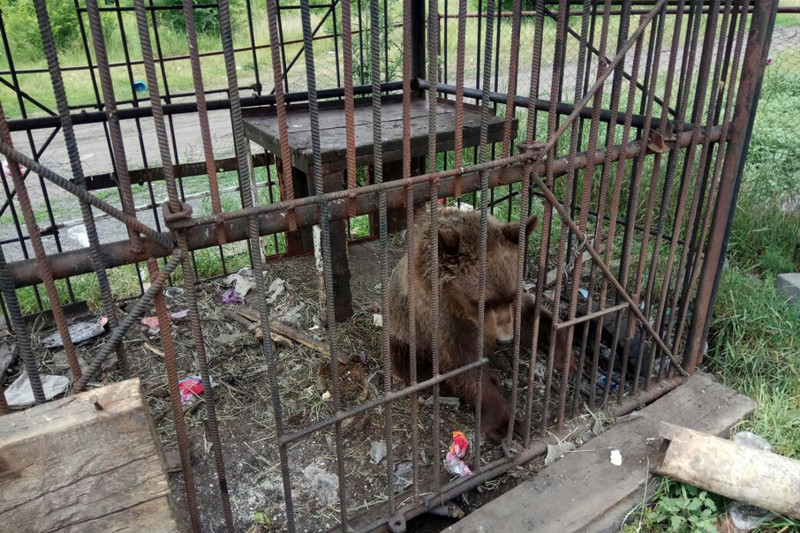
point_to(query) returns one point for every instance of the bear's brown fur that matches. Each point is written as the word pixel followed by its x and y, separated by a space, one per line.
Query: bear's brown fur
pixel 459 245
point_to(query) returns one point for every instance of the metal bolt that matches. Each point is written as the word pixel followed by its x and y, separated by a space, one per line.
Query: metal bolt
pixel 96 402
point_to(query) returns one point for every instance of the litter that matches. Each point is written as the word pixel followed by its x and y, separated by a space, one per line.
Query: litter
pixel 20 393
pixel 241 282
pixel 190 388
pixel 78 332
pixel 377 451
pixel 453 461
pixel 616 458
pixel 230 297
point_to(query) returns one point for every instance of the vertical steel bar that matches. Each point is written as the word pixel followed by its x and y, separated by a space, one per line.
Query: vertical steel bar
pixel 273 15
pixel 672 161
pixel 718 160
pixel 21 333
pixel 77 173
pixel 483 154
pixel 458 154
pixel 410 240
pixel 254 247
pixel 326 244
pixel 377 142
pixel 758 41
pixel 587 188
pixel 119 157
pixel 689 167
pixel 349 106
pixel 202 114
pixel 433 257
pixel 558 66
pixel 42 260
pixel 544 245
pixel 171 364
pixel 190 286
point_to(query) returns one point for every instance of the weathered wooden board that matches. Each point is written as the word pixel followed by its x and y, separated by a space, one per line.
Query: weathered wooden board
pixel 585 491
pixel 68 466
pixel 262 128
pixel 750 475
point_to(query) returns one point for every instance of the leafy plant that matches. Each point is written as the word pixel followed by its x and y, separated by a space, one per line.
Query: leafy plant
pixel 680 508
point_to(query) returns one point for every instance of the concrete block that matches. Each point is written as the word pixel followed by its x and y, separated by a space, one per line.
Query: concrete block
pixel 788 285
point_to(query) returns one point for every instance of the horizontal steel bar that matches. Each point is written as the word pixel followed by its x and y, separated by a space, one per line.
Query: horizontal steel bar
pixel 591 316
pixel 377 402
pixel 97 117
pixel 544 105
pixel 184 170
pixel 537 448
pixel 272 217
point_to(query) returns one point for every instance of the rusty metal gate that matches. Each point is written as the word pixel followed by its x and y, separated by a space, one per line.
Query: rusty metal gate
pixel 623 125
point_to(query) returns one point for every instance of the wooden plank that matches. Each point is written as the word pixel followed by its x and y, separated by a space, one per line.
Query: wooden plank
pixel 742 473
pixel 263 130
pixel 67 466
pixel 585 491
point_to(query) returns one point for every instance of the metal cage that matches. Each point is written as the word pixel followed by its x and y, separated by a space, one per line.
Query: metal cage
pixel 329 128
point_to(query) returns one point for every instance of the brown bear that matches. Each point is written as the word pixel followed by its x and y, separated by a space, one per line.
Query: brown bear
pixel 459 246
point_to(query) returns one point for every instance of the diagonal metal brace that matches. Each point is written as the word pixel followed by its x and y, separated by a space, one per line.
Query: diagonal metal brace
pixel 551 198
pixel 94 201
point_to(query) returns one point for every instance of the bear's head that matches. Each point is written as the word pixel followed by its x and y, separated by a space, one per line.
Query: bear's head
pixel 459 269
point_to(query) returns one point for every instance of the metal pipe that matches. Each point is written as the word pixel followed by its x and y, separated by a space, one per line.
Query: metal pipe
pixel 74 262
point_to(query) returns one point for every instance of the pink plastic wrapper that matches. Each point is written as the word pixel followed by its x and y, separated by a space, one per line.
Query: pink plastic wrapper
pixel 453 461
pixel 190 388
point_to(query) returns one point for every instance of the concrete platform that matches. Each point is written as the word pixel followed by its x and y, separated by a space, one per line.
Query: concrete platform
pixel 788 285
pixel 584 491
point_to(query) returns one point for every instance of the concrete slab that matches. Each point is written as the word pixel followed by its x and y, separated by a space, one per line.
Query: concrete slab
pixel 788 285
pixel 585 491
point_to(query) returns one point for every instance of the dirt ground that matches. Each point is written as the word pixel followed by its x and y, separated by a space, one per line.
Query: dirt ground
pixel 246 417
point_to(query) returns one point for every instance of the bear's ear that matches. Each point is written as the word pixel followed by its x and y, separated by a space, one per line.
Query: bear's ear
pixel 449 241
pixel 511 230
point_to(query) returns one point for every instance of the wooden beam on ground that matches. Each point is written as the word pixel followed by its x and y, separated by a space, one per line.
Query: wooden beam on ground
pixel 742 473
pixel 584 491
pixel 70 465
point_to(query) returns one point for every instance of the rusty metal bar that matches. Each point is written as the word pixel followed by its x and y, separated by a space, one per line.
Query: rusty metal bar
pixel 349 111
pixel 718 163
pixel 112 117
pixel 270 221
pixel 591 316
pixel 325 238
pixel 458 152
pixel 42 260
pixel 171 366
pixel 174 205
pixel 522 236
pixel 377 142
pixel 483 155
pixel 287 185
pixel 411 256
pixel 21 332
pixel 587 188
pixel 433 258
pixel 544 245
pixel 7 149
pixel 77 171
pixel 393 396
pixel 755 60
pixel 552 137
pixel 606 272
